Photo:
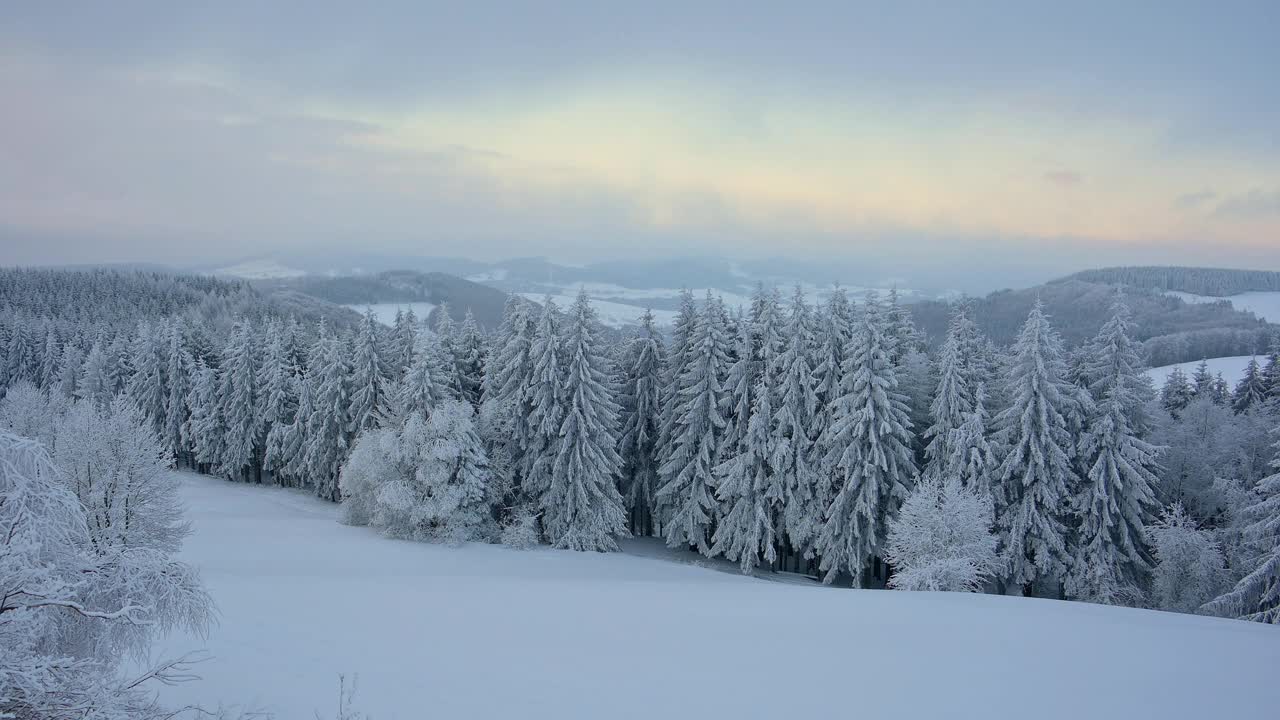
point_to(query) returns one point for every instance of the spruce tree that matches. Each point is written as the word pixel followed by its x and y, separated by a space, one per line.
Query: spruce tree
pixel 1116 502
pixel 179 369
pixel 329 429
pixel 204 427
pixel 370 382
pixel 240 396
pixel 1257 595
pixel 582 509
pixel 404 338
pixel 95 384
pixel 1113 361
pixel 70 369
pixel 1176 393
pixel 50 355
pixel 425 385
pixel 750 491
pixel 795 418
pixel 279 397
pixel 1202 380
pixel 147 387
pixel 836 331
pixel 505 404
pixel 686 501
pixel 546 394
pixel 953 400
pixel 1251 391
pixel 470 352
pixel 642 372
pixel 972 461
pixel 868 449
pixel 1036 471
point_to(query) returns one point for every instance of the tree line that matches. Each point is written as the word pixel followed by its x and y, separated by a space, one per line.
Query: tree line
pixel 780 435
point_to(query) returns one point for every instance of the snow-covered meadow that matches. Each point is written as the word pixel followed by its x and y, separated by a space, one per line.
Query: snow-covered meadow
pixel 1232 368
pixel 385 313
pixel 1265 305
pixel 485 631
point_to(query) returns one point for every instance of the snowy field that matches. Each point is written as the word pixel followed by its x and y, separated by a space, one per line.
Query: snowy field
pixel 612 314
pixel 1232 369
pixel 489 632
pixel 386 312
pixel 1265 305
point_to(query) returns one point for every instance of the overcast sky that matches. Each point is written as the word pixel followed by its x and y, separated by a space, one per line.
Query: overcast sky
pixel 1076 134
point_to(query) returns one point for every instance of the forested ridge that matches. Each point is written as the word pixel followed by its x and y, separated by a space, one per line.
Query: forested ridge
pixel 1214 282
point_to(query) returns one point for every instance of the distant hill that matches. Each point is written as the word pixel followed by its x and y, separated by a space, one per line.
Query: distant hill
pixel 407 286
pixel 1171 330
pixel 1213 282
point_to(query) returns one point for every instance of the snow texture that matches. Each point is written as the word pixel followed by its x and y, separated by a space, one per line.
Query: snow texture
pixel 485 631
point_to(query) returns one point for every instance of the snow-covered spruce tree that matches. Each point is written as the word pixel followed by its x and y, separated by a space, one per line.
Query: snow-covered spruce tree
pixel 750 491
pixel 973 461
pixel 240 395
pixel 643 368
pixel 1202 379
pixel 1176 393
pixel 546 411
pixel 70 368
pixel 901 336
pixel 279 398
pixel 20 360
pixel 792 440
pixel 287 444
pixel 117 466
pixel 204 425
pixel 942 538
pixel 581 507
pixel 119 363
pixel 505 405
pixel 148 386
pixel 471 351
pixel 1036 472
pixel 1257 595
pixel 425 384
pixel 70 611
pixel 370 382
pixel 1112 361
pixel 677 362
pixel 446 335
pixel 404 338
pixel 330 427
pixel 953 401
pixel 50 355
pixel 1251 391
pixel 179 370
pixel 835 332
pixel 1115 502
pixel 1189 570
pixel 868 448
pixel 95 382
pixel 686 501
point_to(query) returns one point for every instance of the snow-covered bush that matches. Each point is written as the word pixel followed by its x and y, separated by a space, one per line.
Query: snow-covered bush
pixel 70 611
pixel 942 539
pixel 429 480
pixel 1189 569
pixel 27 412
pixel 520 530
pixel 113 460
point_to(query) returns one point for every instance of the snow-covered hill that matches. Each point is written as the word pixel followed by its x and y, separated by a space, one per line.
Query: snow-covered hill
pixel 385 313
pixel 490 632
pixel 1265 305
pixel 1232 369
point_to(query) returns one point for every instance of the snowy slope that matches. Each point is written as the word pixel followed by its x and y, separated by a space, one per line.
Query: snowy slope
pixel 1265 305
pixel 612 314
pixel 489 632
pixel 385 313
pixel 1232 369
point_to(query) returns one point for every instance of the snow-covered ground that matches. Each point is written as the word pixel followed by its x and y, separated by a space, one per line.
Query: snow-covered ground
pixel 1232 369
pixel 489 632
pixel 385 313
pixel 612 314
pixel 1266 305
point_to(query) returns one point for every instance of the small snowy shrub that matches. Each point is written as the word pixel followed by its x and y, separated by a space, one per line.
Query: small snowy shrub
pixel 1189 569
pixel 520 531
pixel 942 539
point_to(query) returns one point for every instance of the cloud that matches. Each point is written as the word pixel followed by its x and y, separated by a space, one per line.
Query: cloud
pixel 1254 204
pixel 1063 178
pixel 1191 201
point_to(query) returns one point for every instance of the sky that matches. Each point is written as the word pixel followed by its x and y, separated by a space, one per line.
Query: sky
pixel 1042 136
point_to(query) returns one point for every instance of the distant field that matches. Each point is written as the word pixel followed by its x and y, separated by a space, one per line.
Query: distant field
pixel 1265 305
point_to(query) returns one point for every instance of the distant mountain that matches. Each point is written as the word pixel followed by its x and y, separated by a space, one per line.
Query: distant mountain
pixel 262 269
